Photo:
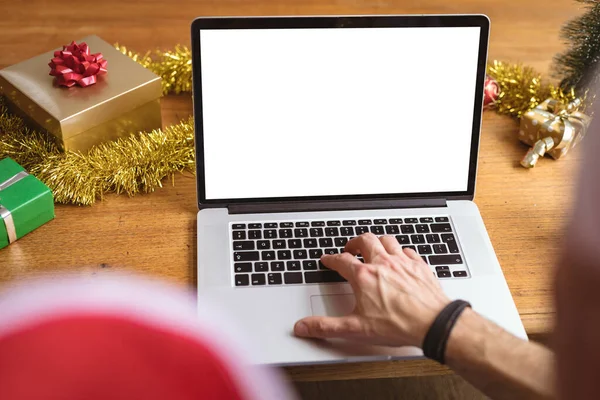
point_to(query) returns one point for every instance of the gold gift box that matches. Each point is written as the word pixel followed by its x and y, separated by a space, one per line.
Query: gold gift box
pixel 124 100
pixel 552 128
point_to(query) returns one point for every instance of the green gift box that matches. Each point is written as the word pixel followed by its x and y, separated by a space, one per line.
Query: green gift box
pixel 25 202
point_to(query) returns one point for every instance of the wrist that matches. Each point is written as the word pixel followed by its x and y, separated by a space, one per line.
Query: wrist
pixel 436 338
pixel 467 335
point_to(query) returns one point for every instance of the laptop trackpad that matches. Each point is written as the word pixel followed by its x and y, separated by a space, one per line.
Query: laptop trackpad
pixel 334 305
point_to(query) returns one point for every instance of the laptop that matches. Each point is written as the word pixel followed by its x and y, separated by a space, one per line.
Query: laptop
pixel 313 130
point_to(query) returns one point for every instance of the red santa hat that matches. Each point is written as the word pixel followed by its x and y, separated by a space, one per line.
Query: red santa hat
pixel 121 338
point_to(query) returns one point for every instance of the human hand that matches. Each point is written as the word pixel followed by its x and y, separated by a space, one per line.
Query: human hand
pixel 397 296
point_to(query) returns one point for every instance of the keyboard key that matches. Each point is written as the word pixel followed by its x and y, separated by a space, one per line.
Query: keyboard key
pixel 407 229
pixel 294 243
pixel 300 254
pixel 308 243
pixel 315 253
pixel 268 255
pixel 392 230
pixel 417 239
pixel 293 265
pixel 255 234
pixel 323 277
pixel 300 233
pixel 451 242
pixel 302 224
pixel 292 277
pixel 442 268
pixel 460 274
pixel 332 232
pixel 247 245
pixel 440 249
pixel 422 228
pixel 261 267
pixel 347 231
pixel 441 219
pixel 271 225
pixel 239 235
pixel 286 224
pixel 425 220
pixel 409 247
pixel 340 242
pixel 285 233
pixel 316 232
pixel 334 223
pixel 377 230
pixel 284 255
pixel 380 221
pixel 361 229
pixel 258 279
pixel 321 265
pixel 245 256
pixel 424 249
pixel 402 239
pixel 238 226
pixel 279 244
pixel 254 226
pixel 364 222
pixel 348 222
pixel 441 228
pixel 309 265
pixel 242 280
pixel 432 238
pixel 331 251
pixel 411 220
pixel 277 266
pixel 395 220
pixel 443 274
pixel 263 245
pixel 317 223
pixel 274 279
pixel 325 242
pixel 271 234
pixel 446 259
pixel 242 267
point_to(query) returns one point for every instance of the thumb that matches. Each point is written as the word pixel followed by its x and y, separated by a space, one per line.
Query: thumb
pixel 327 327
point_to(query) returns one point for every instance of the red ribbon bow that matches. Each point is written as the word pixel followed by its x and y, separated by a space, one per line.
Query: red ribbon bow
pixel 75 65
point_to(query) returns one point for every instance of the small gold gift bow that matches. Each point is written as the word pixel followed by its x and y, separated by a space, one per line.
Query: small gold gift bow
pixel 561 115
pixel 5 212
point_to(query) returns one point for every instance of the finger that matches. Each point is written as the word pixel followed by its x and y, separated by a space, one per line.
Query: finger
pixel 391 245
pixel 367 244
pixel 344 264
pixel 327 327
pixel 410 253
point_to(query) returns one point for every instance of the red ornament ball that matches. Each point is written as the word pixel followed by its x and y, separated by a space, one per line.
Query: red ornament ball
pixel 491 90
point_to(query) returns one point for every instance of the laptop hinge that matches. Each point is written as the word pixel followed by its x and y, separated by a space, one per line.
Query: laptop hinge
pixel 279 207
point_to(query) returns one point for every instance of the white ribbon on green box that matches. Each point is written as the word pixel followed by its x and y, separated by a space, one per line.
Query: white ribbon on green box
pixel 5 214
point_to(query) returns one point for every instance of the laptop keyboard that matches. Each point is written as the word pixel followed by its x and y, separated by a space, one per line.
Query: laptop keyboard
pixel 287 253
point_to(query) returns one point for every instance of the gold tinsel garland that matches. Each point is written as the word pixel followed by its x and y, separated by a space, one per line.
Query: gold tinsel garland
pixel 131 165
pixel 522 88
pixel 174 67
pixel 139 163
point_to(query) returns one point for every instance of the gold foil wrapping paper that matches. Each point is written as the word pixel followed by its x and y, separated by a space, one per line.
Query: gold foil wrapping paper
pixel 552 128
pixel 124 100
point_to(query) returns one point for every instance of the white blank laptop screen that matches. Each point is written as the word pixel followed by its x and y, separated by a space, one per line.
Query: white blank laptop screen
pixel 330 112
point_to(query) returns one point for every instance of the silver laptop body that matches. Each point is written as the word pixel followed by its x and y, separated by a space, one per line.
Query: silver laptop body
pixel 313 130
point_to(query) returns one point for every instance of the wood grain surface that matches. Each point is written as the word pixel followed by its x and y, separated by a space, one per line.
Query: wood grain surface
pixel 155 234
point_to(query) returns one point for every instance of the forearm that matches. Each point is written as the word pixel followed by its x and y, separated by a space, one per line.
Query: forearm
pixel 499 364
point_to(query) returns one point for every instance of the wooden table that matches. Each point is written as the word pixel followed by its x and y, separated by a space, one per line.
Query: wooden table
pixel 155 234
